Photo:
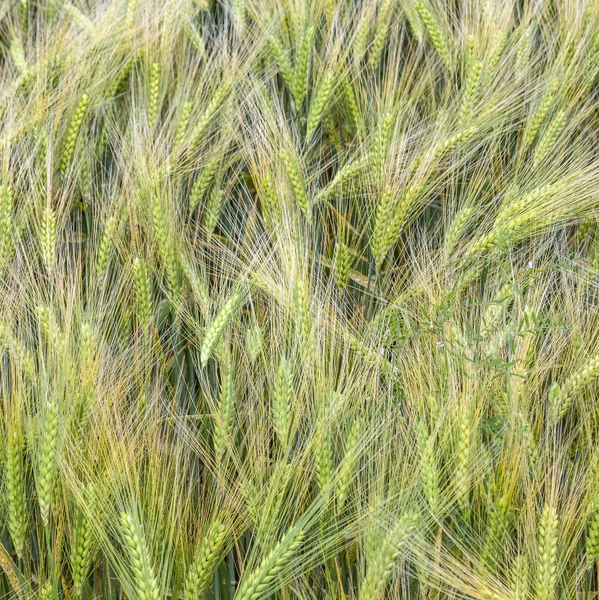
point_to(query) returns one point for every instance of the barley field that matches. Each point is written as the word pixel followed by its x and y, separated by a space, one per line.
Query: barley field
pixel 299 299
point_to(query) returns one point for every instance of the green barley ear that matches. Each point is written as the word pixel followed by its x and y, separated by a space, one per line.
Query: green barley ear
pixel 323 458
pixel 301 311
pixel 211 109
pixel 456 228
pixel 302 66
pixel 82 550
pixel 281 402
pixel 16 495
pixel 342 264
pixel 207 556
pixel 549 137
pixel 463 466
pixel 434 32
pixel 348 464
pixel 592 537
pixel 203 182
pixel 382 233
pixel 380 34
pixel 6 225
pixel 105 245
pixel 298 185
pixel 214 207
pixel 496 529
pixel 520 577
pixel 223 421
pixel 218 325
pixel 547 549
pixel 47 461
pixel 253 341
pixel 144 579
pixel 319 103
pixel 48 237
pixel 166 247
pixel 470 91
pixel 268 200
pixel 429 470
pixel 154 91
pixel 538 117
pixel 131 8
pixel 282 60
pixel 353 108
pixel 561 395
pixel 73 133
pixel 183 124
pixel 17 54
pixel 143 293
pixel 345 173
pixel 257 583
pixel 381 564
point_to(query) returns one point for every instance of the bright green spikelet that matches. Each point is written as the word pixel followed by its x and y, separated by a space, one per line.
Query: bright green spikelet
pixel 496 530
pixel 592 536
pixel 253 341
pixel 348 464
pixel 281 402
pixel 323 458
pixel 353 108
pixel 302 65
pixel 297 183
pixel 106 245
pixel 380 34
pixel 82 551
pixel 344 174
pixel 183 124
pixel 520 576
pixel 381 238
pixel 429 470
pixel 301 312
pixel 131 8
pixel 48 238
pixel 549 137
pixel 47 461
pixel 257 583
pixel 223 422
pixel 166 247
pixel 463 463
pixel 470 91
pixel 282 60
pixel 73 133
pixel 143 293
pixel 154 90
pixel 319 103
pixel 547 550
pixel 203 182
pixel 268 200
pixel 207 118
pixel 144 581
pixel 381 564
pixel 207 556
pixel 561 395
pixel 538 116
pixel 214 207
pixel 6 225
pixel 434 33
pixel 218 325
pixel 456 228
pixel 342 262
pixel 16 498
